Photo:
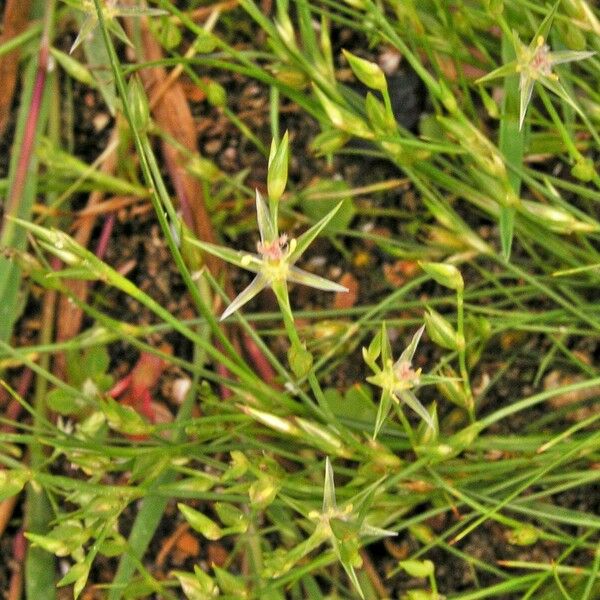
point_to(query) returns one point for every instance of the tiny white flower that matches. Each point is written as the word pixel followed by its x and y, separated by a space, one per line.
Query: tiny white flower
pixel 396 379
pixel 534 63
pixel 274 263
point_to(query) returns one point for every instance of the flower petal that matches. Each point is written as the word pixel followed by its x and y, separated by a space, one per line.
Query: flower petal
pixel 296 275
pixel 258 284
pixel 266 226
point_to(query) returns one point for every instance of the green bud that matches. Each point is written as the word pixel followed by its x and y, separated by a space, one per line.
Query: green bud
pixel 322 437
pixel 238 466
pixel 230 584
pixel 440 330
pixel 556 219
pixel 138 104
pixel 447 98
pixel 198 586
pixel 262 492
pixel 200 523
pixel 216 94
pixel 343 119
pixel 417 568
pixel 285 28
pixel 525 535
pixel 422 533
pixel 300 360
pixel 328 142
pixel 378 116
pixel 422 595
pixel 447 275
pixel 205 42
pixel 12 482
pixel 278 168
pixel 489 103
pixel 231 515
pixel 124 419
pixel 366 71
pixel 464 438
pixel 583 169
pixel 271 420
pixel 73 68
pixel 453 390
pixel 291 77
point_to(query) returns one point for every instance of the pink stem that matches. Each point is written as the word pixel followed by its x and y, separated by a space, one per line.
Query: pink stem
pixel 24 162
pixel 105 234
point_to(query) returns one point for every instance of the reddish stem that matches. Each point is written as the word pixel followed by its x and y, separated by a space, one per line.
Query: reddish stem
pixel 259 360
pixel 107 228
pixel 29 135
pixel 15 588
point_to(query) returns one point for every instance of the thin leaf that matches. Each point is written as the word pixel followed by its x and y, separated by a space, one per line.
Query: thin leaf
pixel 507 226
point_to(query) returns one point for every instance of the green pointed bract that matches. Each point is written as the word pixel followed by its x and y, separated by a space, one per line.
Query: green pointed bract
pixel 383 410
pixel 250 262
pixel 410 350
pixel 267 228
pixel 109 12
pixel 412 402
pixel 306 239
pixel 386 348
pixel 329 503
pixel 278 169
pixel 86 29
pixel 258 284
pixel 296 275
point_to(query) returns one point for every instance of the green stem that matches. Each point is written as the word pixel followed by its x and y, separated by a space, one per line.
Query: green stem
pixel 462 353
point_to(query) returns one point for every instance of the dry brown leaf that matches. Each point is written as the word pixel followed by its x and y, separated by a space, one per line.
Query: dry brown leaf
pixel 14 22
pixel 347 299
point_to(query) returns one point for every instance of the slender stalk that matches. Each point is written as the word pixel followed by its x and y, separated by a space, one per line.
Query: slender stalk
pixel 31 128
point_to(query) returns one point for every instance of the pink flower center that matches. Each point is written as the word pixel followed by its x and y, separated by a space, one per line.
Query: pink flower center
pixel 541 60
pixel 404 372
pixel 273 250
